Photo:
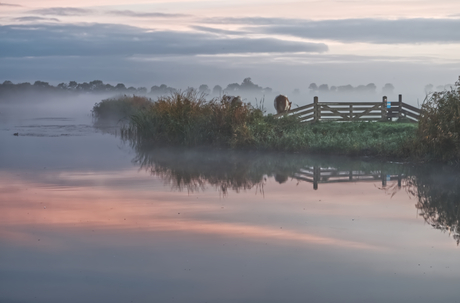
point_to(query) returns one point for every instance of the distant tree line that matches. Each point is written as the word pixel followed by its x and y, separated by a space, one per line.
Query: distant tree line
pixel 97 86
pixel 370 88
pixel 429 88
pixel 245 87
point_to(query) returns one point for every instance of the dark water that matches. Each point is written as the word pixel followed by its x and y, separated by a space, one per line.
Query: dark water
pixel 85 217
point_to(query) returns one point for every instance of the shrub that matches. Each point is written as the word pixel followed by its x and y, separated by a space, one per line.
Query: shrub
pixel 187 118
pixel 439 126
pixel 120 108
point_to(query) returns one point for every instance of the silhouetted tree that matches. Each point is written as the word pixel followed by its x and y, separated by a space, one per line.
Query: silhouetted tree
pixel 62 85
pixel 323 88
pixel 313 87
pixel 371 88
pixel 333 88
pixel 388 89
pixel 345 88
pixel 204 89
pixel 163 89
pixel 109 87
pixel 83 86
pixel 233 87
pixel 248 85
pixel 142 90
pixel 120 87
pixel 96 85
pixel 73 84
pixel 41 84
pixel 217 90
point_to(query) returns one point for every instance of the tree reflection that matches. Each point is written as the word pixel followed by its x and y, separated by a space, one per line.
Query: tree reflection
pixel 438 200
pixel 223 169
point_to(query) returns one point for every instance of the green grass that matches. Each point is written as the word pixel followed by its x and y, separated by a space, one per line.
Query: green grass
pixel 352 138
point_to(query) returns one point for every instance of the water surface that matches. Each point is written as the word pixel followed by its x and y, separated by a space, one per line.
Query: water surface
pixel 87 217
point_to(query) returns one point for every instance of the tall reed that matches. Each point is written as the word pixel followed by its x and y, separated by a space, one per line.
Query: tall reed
pixel 187 118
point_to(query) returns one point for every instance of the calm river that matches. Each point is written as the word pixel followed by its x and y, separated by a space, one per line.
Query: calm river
pixel 86 217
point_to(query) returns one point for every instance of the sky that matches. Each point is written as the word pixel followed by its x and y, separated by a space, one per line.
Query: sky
pixel 281 44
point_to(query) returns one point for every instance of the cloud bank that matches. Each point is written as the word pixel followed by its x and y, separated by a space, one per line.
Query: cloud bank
pixel 8 4
pixel 35 19
pixel 128 13
pixel 376 31
pixel 62 11
pixel 121 40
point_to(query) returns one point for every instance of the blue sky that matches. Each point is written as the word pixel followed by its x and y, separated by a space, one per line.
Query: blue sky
pixel 281 44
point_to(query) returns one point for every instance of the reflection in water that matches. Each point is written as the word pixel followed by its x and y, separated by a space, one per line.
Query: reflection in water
pixel 438 200
pixel 438 197
pixel 192 169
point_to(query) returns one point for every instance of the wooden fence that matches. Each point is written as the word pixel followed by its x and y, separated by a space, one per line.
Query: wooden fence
pixel 354 111
pixel 318 175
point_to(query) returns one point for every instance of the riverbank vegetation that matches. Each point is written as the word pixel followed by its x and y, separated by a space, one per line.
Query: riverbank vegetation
pixel 438 135
pixel 188 119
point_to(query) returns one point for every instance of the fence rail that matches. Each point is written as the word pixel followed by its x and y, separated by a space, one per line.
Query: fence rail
pixel 354 111
pixel 317 175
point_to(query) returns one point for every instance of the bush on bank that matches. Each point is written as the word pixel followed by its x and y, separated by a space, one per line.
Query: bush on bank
pixel 121 108
pixel 438 134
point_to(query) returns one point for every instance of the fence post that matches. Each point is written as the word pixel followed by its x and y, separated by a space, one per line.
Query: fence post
pixel 399 106
pixel 351 112
pixel 384 108
pixel 316 176
pixel 317 114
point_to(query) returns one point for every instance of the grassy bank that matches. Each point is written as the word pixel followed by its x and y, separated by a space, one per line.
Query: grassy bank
pixel 187 119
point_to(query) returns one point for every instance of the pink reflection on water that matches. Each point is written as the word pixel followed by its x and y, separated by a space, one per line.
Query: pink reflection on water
pixel 30 204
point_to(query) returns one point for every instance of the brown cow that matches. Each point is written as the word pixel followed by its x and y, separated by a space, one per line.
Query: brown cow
pixel 282 104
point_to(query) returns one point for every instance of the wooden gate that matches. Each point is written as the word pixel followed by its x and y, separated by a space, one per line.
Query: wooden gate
pixel 354 111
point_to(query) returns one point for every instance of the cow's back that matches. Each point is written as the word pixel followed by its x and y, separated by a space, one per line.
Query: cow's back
pixel 282 104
